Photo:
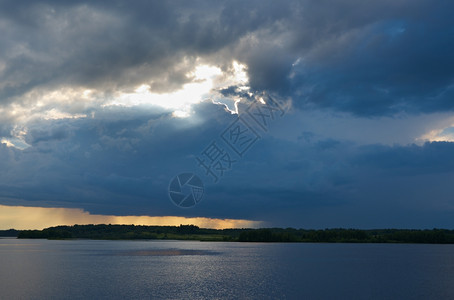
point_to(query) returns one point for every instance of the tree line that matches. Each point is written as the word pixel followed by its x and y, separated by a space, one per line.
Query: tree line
pixel 9 233
pixel 192 232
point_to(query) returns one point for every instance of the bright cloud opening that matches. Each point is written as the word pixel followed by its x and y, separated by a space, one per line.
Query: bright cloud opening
pixel 439 135
pixel 15 143
pixel 17 139
pixel 181 100
pixel 54 114
pixel 442 132
pixel 207 80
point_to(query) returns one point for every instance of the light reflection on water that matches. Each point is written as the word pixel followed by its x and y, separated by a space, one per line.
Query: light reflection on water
pixel 82 269
pixel 164 252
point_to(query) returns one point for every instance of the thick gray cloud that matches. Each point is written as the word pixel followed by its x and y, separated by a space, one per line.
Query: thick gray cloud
pixel 114 164
pixel 365 58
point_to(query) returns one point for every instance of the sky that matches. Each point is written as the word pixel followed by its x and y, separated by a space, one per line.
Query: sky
pixel 306 114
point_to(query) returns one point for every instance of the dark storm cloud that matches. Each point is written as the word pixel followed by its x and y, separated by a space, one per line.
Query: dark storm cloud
pixel 361 57
pixel 344 183
pixel 107 46
pixel 101 45
pixel 115 165
pixel 410 160
pixel 119 162
pixel 56 133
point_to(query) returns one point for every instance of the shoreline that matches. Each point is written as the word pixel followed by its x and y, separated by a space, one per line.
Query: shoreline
pixel 268 235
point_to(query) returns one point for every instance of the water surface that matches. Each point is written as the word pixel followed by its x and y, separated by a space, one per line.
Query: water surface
pixel 84 269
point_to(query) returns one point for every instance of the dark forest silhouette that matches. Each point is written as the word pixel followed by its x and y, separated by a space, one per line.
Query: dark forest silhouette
pixel 192 232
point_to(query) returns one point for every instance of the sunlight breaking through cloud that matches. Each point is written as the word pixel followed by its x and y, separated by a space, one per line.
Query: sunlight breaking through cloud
pixel 443 132
pixel 15 142
pixel 207 81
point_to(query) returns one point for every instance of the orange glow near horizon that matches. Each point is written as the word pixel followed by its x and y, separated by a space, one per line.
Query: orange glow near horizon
pixel 24 217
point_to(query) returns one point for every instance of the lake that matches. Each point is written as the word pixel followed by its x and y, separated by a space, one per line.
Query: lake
pixel 86 269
